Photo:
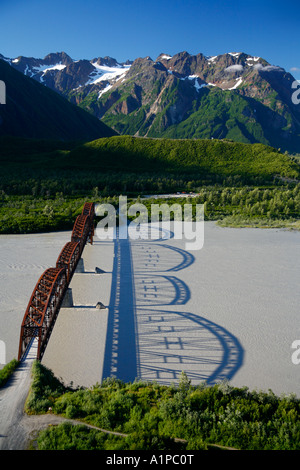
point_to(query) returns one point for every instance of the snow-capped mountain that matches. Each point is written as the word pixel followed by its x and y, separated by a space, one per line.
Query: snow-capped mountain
pixel 233 95
pixel 63 74
pixel 60 72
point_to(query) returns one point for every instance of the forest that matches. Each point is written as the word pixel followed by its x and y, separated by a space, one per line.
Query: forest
pixel 274 206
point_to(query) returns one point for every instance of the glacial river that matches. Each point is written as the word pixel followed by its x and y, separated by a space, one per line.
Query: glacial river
pixel 229 311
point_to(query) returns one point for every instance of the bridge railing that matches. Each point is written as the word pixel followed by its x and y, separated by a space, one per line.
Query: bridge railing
pixel 49 292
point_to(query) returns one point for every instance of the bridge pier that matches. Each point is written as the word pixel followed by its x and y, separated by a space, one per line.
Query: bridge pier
pixel 80 266
pixel 100 306
pixel 68 299
pixel 98 270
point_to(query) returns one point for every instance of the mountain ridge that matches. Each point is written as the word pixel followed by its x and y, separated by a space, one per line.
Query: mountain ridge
pixel 233 95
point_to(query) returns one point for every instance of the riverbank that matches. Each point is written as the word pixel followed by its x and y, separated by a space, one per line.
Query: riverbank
pixel 240 222
pixel 251 206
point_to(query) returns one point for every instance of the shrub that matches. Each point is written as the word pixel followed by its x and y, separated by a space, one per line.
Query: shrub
pixel 7 370
pixel 45 388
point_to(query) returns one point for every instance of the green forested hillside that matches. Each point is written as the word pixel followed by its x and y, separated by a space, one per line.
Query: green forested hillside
pixel 137 154
pixel 198 157
pixel 206 160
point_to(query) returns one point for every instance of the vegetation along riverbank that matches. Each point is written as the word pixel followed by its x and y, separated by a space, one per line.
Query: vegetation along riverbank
pixel 44 184
pixel 149 416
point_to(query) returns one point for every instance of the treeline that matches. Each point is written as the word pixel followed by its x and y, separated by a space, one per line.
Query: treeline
pixel 273 206
pixel 272 203
pixel 153 416
pixel 29 214
pixel 109 184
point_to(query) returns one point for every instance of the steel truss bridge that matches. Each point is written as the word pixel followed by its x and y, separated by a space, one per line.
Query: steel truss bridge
pixel 48 294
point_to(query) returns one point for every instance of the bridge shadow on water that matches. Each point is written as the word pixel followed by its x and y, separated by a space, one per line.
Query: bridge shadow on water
pixel 120 358
pixel 151 335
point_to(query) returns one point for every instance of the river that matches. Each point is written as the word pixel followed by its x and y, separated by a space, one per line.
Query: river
pixel 229 311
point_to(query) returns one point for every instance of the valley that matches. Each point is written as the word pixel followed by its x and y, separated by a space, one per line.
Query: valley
pixel 221 131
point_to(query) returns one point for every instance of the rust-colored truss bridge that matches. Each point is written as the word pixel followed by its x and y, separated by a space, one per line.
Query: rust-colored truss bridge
pixel 49 292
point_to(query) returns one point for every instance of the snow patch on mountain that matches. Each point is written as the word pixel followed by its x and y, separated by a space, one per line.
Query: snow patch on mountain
pixel 104 72
pixel 197 85
pixel 212 59
pixel 255 59
pixel 9 61
pixel 239 81
pixel 46 68
pixel 40 69
pixel 107 88
pixel 234 54
pixel 195 79
pixel 28 71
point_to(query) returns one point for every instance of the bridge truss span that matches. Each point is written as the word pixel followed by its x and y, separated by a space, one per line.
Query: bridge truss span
pixel 48 294
pixel 81 230
pixel 69 257
pixel 43 308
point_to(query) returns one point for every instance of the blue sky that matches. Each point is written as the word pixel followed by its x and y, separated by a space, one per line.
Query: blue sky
pixel 129 29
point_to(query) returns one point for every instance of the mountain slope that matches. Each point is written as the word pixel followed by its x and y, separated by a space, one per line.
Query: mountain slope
pixel 34 111
pixel 193 97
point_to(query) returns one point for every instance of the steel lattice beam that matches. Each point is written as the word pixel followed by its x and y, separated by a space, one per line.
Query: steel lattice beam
pixel 48 294
pixel 43 308
pixel 69 257
pixel 81 229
